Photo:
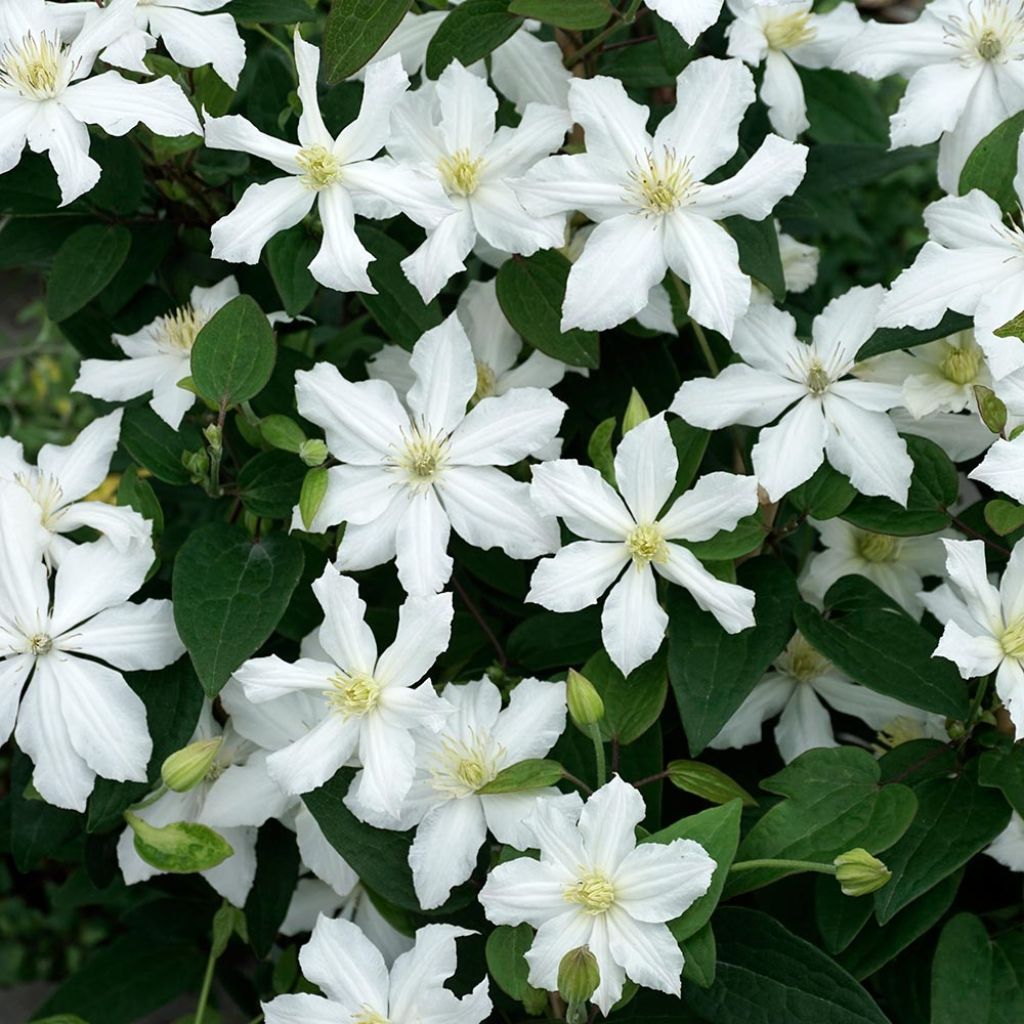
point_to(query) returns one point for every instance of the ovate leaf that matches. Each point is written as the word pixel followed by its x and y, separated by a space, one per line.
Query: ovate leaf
pixel 993 163
pixel 233 356
pixel 355 31
pixel 469 33
pixel 83 266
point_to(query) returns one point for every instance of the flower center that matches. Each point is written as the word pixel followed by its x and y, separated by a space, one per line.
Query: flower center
pixel 593 892
pixel 661 184
pixel 320 165
pixel 993 31
pixel 353 696
pixel 35 67
pixel 818 378
pixel 40 643
pixel 900 730
pixel 462 767
pixel 460 172
pixel 485 381
pixel 789 30
pixel 45 491
pixel 422 458
pixel 801 661
pixel 961 364
pixel 646 544
pixel 1012 640
pixel 367 1015
pixel 877 547
pixel 179 329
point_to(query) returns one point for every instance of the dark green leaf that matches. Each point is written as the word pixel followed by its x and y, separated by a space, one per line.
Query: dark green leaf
pixel 530 291
pixel 891 339
pixel 993 163
pixel 469 33
pixel 748 535
pixel 270 483
pixel 277 868
pixel 839 917
pixel 690 444
pixel 507 965
pixel 233 355
pixel 571 14
pixel 355 31
pixel 707 782
pixel 136 492
pixel 289 254
pixel 229 593
pixel 699 955
pixel 955 820
pixel 83 266
pixel 551 639
pixel 712 671
pixel 38 829
pixel 827 494
pixel 1003 517
pixel 1004 770
pixel 156 446
pixel 270 12
pixel 758 245
pixel 631 704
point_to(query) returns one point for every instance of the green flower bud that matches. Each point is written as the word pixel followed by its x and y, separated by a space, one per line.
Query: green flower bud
pixel 187 767
pixel 636 412
pixel 197 463
pixel 313 452
pixel 578 978
pixel 585 705
pixel 859 873
pixel 214 437
pixel 283 433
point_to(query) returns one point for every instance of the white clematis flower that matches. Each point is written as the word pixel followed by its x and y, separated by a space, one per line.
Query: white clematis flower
pixel 357 987
pixel 339 176
pixel 895 565
pixel 632 533
pixel 159 356
pixel 62 480
pixel 688 17
pixel 594 886
pixel 653 206
pixel 1008 847
pixel 410 476
pixel 803 686
pixel 784 35
pixel 973 263
pixel 193 34
pixel 234 798
pixel 963 61
pixel 368 704
pixel 78 717
pixel 478 741
pixel 447 132
pixel 984 625
pixel 47 99
pixel 827 414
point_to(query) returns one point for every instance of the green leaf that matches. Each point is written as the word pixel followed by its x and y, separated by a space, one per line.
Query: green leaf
pixel 758 246
pixel 469 33
pixel 1004 770
pixel 707 782
pixel 972 977
pixel 156 446
pixel 934 486
pixel 552 639
pixel 312 494
pixel 233 355
pixel 229 593
pixel 397 307
pixel 182 847
pixel 599 449
pixel 711 671
pixel 60 1018
pixel 507 965
pixel 956 818
pixel 1003 517
pixel 875 946
pixel 136 492
pixel 571 14
pixel 269 484
pixel 993 163
pixel 631 704
pixel 277 868
pixel 270 12
pixel 887 652
pixel 530 292
pixel 699 956
pixel 690 444
pixel 38 829
pixel 826 495
pixel 83 266
pixel 355 31
pixel 1013 328
pixel 718 831
pixel 289 254
pixel 767 975
pixel 891 339
pixel 534 773
pixel 747 536
pixel 839 918
pixel 834 804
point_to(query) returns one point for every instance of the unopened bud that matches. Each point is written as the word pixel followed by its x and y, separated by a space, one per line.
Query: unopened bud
pixel 214 437
pixel 197 463
pixel 859 873
pixel 578 978
pixel 282 432
pixel 313 452
pixel 585 705
pixel 186 768
pixel 636 412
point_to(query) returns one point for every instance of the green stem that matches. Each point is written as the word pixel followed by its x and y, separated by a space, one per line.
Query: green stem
pixel 595 735
pixel 204 992
pixel 702 339
pixel 148 801
pixel 784 865
pixel 291 63
pixel 979 697
pixel 627 18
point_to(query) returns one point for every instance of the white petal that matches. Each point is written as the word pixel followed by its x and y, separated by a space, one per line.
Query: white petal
pixel 533 720
pixel 731 605
pixel 765 701
pixel 341 261
pixel 560 184
pixel 117 105
pixel 582 498
pixel 739 394
pixel 242 136
pixel 965 564
pixel 300 1009
pixel 442 361
pixel 468 105
pixel 782 93
pixel 422 972
pixel 975 654
pixel 844 325
pixel 421 544
pixel 503 222
pixel 443 854
pixel 310 761
pixel 648 952
pixel 243 795
pixel 268 678
pixel 881 50
pixel 507 813
pixel 346 966
pixel 523 889
pixel 875 709
pixel 689 18
pixel 614 125
pixel 261 213
pixel 632 622
pixel 1010 687
pixel 556 937
pixel 577 575
pixel 193 41
pixel 424 629
pixel 344 635
pixel 934 101
pixel 645 468
pixel 320 857
pixel 788 454
pixel 384 84
pixel 502 430
pixel 123 526
pixel 442 255
pixel 718 501
pixel 366 545
pixel 82 466
pixel 530 70
pixel 804 725
pixel 14 671
pixel 388 758
pixel 540 131
pixel 131 637
pixel 608 823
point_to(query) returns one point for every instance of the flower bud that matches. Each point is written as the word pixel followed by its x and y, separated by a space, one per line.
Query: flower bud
pixel 281 432
pixel 197 463
pixel 636 412
pixel 187 767
pixel 313 452
pixel 585 705
pixel 578 978
pixel 214 437
pixel 859 873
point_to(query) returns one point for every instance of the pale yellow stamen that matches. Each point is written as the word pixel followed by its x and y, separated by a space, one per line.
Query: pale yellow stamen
pixel 801 661
pixel 993 32
pixel 41 643
pixel 462 767
pixel 367 1015
pixel 593 892
pixel 818 379
pixel 321 167
pixel 662 184
pixel 485 381
pixel 181 328
pixel 646 544
pixel 961 364
pixel 1012 640
pixel 353 696
pixel 900 730
pixel 422 457
pixel 35 67
pixel 45 491
pixel 460 172
pixel 877 547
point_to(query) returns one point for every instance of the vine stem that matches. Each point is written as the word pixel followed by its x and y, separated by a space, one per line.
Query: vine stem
pixel 595 734
pixel 626 18
pixel 291 59
pixel 702 339
pixel 787 865
pixel 204 992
